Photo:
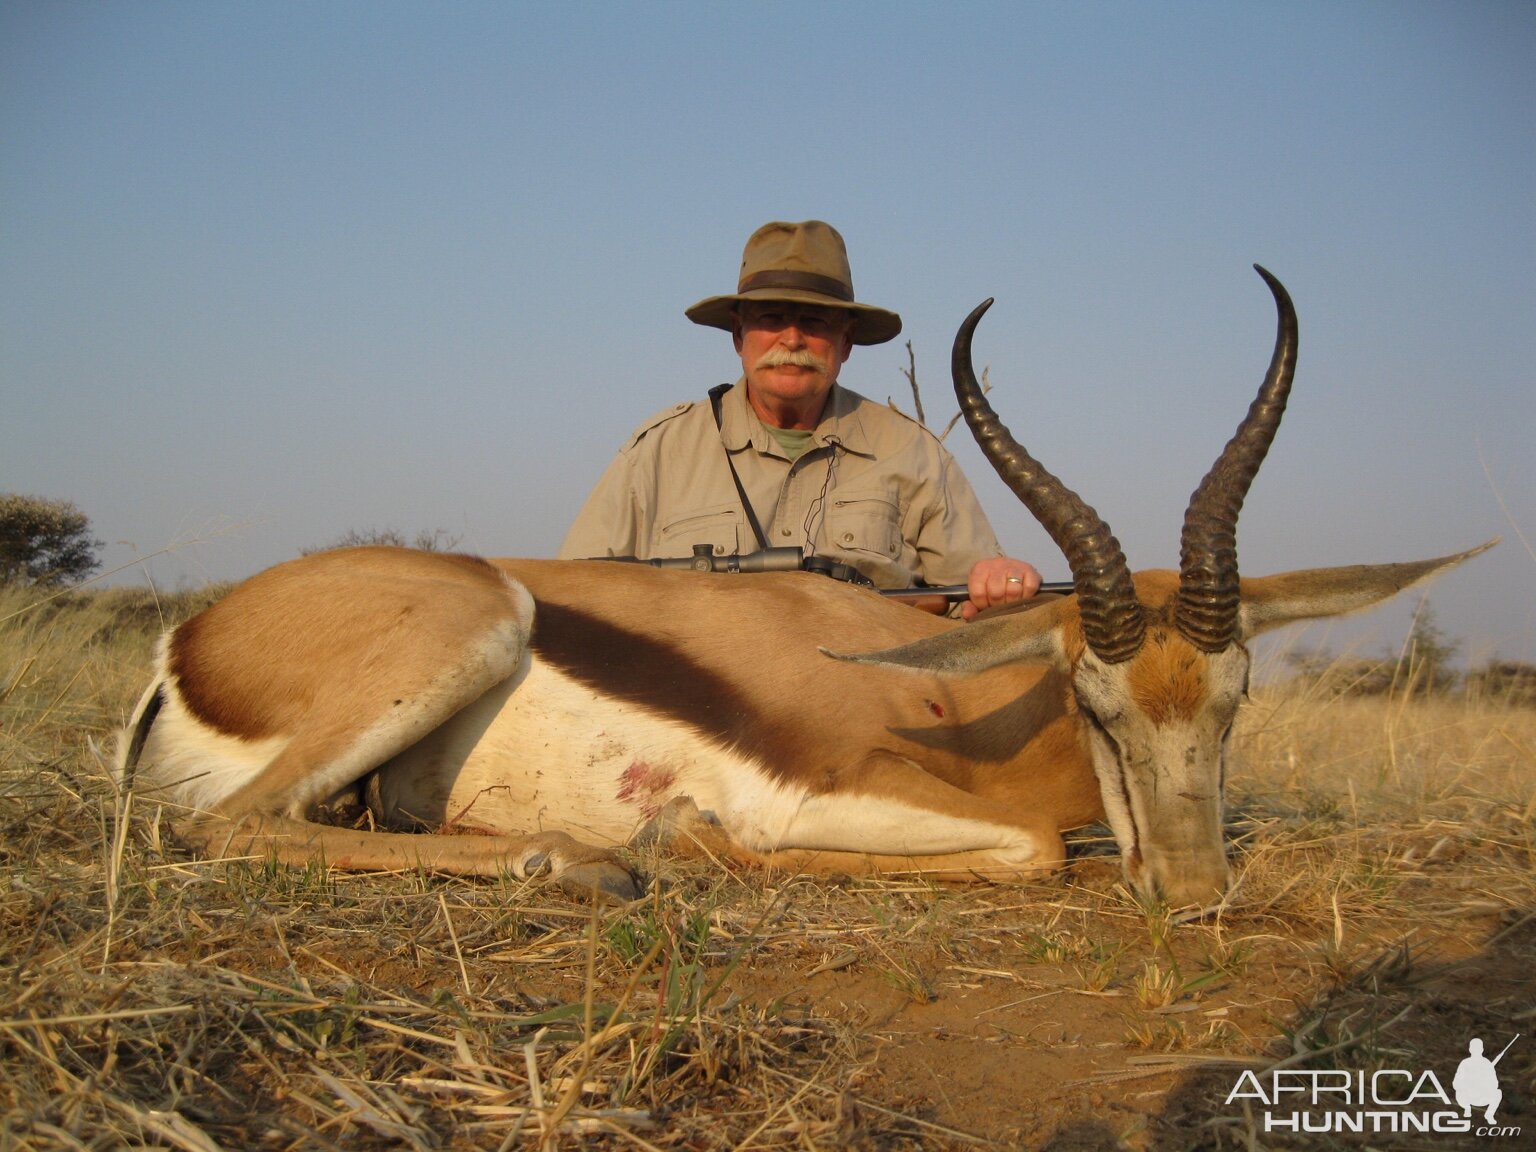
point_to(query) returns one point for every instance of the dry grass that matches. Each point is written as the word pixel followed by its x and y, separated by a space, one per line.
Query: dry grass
pixel 1385 847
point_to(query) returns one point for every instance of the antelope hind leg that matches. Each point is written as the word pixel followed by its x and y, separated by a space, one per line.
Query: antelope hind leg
pixel 578 868
pixel 343 694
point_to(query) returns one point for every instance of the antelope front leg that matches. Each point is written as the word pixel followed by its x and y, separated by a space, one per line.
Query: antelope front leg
pixel 888 815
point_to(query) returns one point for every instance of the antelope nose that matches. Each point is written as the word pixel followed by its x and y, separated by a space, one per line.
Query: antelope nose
pixel 1197 886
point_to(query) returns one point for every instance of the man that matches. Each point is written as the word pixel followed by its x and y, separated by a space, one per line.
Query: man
pixel 815 465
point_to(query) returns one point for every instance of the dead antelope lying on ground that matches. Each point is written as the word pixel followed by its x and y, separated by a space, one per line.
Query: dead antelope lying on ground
pixel 534 714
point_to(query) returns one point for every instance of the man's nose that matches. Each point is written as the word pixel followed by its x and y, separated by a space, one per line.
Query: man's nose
pixel 790 335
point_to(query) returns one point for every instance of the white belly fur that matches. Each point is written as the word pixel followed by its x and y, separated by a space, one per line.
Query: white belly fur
pixel 545 753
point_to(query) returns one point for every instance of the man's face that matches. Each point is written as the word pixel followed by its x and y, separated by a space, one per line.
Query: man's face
pixel 791 353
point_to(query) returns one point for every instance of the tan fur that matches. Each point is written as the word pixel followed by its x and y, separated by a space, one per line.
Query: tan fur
pixel 1167 679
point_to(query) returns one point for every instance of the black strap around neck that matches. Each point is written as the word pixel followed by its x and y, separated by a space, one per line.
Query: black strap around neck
pixel 716 395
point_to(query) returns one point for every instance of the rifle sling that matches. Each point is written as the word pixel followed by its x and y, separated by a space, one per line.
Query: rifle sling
pixel 716 395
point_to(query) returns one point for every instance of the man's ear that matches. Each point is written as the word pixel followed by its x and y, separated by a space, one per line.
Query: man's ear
pixel 736 330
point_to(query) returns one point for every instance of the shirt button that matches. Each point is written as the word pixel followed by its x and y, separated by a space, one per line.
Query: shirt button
pixel 784 531
pixel 847 537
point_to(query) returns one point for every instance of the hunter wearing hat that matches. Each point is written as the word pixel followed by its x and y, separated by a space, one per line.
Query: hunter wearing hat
pixel 815 465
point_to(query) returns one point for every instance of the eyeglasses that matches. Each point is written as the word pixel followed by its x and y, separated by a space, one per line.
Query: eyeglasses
pixel 811 320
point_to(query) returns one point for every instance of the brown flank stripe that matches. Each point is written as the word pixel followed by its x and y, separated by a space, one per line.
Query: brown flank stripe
pixel 662 679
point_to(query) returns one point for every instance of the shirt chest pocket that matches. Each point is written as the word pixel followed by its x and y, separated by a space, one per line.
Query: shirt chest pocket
pixel 718 525
pixel 865 522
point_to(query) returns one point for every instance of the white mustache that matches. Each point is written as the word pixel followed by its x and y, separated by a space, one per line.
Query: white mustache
pixel 778 357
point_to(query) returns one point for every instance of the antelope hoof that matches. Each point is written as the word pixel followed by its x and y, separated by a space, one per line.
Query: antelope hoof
pixel 605 882
pixel 580 869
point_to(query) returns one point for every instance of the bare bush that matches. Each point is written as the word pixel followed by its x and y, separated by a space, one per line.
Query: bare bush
pixel 1424 665
pixel 1509 682
pixel 437 540
pixel 1344 676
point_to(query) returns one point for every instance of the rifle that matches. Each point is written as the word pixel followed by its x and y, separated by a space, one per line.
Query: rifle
pixel 935 599
pixel 1506 1048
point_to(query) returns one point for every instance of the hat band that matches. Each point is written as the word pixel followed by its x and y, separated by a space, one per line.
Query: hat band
pixel 805 281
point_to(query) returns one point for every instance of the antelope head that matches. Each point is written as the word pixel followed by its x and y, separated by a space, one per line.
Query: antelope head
pixel 1157 661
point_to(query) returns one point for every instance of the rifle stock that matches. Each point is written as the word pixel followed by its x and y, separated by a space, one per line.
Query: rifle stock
pixel 938 599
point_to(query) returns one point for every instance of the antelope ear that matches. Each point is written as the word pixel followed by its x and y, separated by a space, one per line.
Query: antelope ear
pixel 1270 601
pixel 1032 637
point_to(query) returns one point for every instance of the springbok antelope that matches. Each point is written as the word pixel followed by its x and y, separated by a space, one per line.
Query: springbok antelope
pixel 535 714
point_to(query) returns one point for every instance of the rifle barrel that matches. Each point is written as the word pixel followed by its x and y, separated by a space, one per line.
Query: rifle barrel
pixel 958 592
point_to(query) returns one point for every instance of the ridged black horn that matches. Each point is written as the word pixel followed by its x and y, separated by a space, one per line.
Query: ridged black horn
pixel 1207 605
pixel 1112 617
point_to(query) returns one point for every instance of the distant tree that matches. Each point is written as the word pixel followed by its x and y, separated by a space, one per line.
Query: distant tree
pixel 436 540
pixel 1428 659
pixel 46 542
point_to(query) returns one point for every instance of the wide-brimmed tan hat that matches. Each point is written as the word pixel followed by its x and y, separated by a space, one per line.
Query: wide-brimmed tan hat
pixel 806 263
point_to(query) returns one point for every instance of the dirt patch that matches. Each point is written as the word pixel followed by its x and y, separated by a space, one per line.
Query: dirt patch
pixel 1009 1050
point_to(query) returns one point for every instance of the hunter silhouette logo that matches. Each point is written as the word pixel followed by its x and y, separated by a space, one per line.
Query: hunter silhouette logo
pixel 1477 1082
pixel 1392 1100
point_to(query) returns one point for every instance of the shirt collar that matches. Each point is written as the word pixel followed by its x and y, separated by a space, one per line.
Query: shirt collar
pixel 841 423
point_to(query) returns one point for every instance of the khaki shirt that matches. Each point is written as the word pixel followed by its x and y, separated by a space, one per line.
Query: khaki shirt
pixel 874 489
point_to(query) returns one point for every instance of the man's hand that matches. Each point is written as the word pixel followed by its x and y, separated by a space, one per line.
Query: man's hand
pixel 998 582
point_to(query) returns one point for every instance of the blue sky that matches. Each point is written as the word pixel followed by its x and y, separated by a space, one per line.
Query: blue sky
pixel 271 272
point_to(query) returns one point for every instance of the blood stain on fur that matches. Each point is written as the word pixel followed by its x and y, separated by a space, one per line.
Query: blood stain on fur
pixel 646 787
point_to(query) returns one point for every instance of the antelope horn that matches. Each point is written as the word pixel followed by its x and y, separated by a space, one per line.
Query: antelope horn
pixel 1111 614
pixel 1207 605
